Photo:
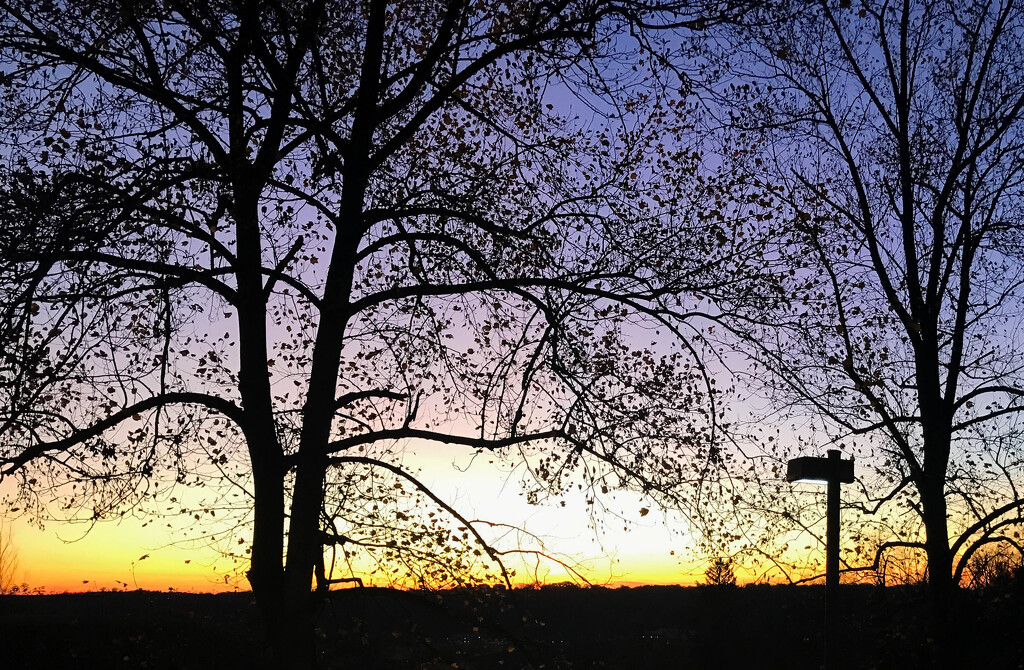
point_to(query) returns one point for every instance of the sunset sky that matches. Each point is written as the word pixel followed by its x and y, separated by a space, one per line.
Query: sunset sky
pixel 427 322
pixel 426 333
pixel 655 549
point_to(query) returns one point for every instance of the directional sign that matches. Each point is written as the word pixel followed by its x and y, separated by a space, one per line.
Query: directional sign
pixel 816 469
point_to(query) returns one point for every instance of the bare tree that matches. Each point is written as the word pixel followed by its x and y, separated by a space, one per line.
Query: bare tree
pixel 8 561
pixel 259 247
pixel 891 156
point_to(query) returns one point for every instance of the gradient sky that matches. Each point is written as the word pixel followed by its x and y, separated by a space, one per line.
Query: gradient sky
pixel 631 548
pixel 649 549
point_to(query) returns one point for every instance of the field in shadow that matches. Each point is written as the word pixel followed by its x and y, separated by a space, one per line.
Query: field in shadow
pixel 553 627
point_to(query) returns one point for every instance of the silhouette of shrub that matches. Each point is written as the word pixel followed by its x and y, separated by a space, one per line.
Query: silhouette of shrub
pixel 995 569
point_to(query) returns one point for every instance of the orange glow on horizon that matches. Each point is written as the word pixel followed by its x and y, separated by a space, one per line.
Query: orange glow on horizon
pixel 123 556
pixel 635 548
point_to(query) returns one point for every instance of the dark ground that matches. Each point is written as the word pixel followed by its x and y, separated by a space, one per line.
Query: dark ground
pixel 553 628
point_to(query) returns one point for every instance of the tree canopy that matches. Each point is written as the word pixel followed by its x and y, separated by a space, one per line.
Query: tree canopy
pixel 260 247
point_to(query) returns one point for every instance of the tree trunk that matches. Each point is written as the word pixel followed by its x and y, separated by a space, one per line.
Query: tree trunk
pixel 266 574
pixel 936 434
pixel 304 551
pixel 940 573
pixel 940 558
pixel 305 546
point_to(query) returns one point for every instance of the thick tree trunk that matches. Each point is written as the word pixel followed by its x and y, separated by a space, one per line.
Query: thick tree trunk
pixel 266 574
pixel 940 572
pixel 304 551
pixel 940 558
pixel 305 546
pixel 294 603
pixel 936 434
pixel 940 585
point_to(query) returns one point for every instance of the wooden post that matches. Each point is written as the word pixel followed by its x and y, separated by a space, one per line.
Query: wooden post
pixel 832 564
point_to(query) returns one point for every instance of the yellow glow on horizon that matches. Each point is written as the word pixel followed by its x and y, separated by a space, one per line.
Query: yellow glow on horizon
pixel 110 556
pixel 631 547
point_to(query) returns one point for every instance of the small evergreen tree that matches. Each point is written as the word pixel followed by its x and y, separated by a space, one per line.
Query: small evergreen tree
pixel 720 573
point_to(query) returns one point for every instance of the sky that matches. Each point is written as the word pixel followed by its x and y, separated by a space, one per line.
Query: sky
pixel 123 554
pixel 634 546
pixel 634 549
pixel 129 553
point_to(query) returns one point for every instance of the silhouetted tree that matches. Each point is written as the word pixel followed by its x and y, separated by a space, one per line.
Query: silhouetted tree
pixel 720 573
pixel 8 561
pixel 264 245
pixel 887 138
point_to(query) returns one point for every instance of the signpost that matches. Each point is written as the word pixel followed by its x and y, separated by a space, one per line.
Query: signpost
pixel 832 471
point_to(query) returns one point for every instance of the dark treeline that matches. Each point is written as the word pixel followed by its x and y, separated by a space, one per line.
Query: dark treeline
pixel 558 627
